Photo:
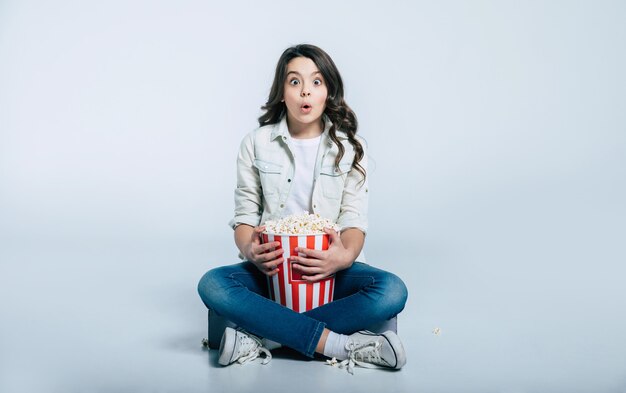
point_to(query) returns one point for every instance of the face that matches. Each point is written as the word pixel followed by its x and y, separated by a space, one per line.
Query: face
pixel 305 91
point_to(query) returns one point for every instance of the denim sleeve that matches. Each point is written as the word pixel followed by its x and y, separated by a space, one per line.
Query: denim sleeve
pixel 248 194
pixel 354 202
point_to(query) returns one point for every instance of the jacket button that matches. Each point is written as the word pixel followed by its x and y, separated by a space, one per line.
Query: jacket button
pixel 289 180
pixel 281 205
pixel 314 206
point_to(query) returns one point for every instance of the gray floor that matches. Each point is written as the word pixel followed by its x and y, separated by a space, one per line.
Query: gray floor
pixel 121 316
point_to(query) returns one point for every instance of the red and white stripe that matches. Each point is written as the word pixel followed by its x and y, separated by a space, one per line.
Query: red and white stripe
pixel 287 287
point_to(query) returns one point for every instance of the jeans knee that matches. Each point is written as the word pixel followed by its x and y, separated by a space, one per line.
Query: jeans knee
pixel 209 288
pixel 395 294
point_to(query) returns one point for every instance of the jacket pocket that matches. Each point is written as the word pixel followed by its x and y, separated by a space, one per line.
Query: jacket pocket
pixel 270 174
pixel 333 180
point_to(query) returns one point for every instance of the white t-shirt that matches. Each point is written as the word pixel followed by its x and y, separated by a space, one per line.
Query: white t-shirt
pixel 305 152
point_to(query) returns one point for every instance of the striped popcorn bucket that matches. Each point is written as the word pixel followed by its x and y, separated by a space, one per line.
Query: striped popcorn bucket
pixel 287 287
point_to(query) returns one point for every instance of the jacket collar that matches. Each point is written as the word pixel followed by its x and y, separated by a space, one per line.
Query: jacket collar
pixel 282 130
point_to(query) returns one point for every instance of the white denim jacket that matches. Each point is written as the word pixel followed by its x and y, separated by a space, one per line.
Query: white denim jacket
pixel 265 167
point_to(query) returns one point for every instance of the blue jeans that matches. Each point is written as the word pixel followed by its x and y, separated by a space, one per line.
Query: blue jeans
pixel 364 296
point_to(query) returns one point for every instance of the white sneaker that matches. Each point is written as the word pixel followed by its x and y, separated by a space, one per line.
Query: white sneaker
pixel 241 346
pixel 372 350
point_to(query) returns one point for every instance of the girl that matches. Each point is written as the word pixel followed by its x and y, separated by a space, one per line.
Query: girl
pixel 305 156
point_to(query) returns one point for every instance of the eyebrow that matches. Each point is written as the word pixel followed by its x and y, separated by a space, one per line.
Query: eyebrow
pixel 296 72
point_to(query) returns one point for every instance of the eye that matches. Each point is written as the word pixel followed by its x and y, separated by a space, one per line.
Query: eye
pixel 294 82
pixel 317 82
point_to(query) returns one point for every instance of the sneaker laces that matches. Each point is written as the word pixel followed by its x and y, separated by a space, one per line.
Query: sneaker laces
pixel 250 348
pixel 365 354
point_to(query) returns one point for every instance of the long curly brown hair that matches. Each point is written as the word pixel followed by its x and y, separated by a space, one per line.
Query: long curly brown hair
pixel 340 114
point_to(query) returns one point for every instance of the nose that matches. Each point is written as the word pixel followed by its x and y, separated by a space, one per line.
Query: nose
pixel 305 92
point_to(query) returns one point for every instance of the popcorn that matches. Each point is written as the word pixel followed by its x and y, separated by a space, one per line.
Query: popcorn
pixel 302 224
pixel 332 362
pixel 289 287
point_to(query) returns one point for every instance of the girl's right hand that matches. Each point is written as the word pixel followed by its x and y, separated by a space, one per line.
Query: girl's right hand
pixel 260 255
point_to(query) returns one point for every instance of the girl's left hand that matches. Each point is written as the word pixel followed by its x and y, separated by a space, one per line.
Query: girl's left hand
pixel 316 264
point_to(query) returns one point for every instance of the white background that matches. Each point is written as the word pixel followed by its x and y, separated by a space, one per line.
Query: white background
pixel 497 142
